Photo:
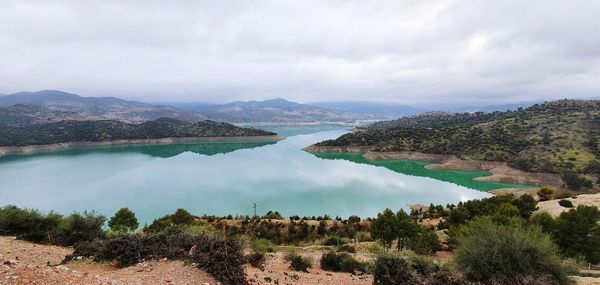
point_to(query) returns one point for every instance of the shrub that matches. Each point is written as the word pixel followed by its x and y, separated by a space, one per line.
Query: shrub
pixel 565 203
pixel 28 225
pixel 340 262
pixel 223 259
pixel 257 259
pixel 123 220
pixel 392 270
pixel 423 265
pixel 507 254
pixel 80 227
pixel 333 241
pixel 575 181
pixel 363 236
pixel 330 261
pixel 181 217
pixel 263 246
pixel 425 242
pixel 577 233
pixel 546 193
pixel 297 262
pixel 545 221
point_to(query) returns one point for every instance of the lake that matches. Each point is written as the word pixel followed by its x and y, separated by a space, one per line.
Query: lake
pixel 223 178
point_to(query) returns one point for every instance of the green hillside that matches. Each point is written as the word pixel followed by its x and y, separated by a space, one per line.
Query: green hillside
pixel 106 130
pixel 557 137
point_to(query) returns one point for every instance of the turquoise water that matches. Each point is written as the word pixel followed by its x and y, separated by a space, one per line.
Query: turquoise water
pixel 220 179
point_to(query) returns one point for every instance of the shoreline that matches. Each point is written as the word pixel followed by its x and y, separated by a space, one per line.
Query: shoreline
pixel 500 171
pixel 29 149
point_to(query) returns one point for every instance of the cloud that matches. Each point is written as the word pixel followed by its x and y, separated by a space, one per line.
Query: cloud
pixel 403 51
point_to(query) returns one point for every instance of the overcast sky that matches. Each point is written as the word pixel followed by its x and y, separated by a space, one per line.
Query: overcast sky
pixel 216 51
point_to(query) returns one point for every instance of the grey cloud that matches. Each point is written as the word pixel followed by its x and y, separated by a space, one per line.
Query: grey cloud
pixel 403 51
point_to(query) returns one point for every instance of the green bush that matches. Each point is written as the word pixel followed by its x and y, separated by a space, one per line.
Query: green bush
pixel 577 232
pixel 575 181
pixel 123 220
pixel 28 225
pixel 80 227
pixel 507 254
pixel 393 270
pixel 263 246
pixel 566 203
pixel 223 259
pixel 546 193
pixel 423 265
pixel 340 262
pixel 425 242
pixel 297 262
pixel 180 218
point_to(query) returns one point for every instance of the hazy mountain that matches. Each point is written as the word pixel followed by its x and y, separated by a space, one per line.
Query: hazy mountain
pixel 94 108
pixel 490 108
pixel 379 109
pixel 275 110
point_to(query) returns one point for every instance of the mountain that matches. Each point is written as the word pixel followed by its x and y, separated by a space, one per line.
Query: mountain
pixel 275 110
pixel 108 130
pixel 378 109
pixel 97 108
pixel 559 137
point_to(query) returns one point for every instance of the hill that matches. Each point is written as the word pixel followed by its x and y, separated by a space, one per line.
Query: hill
pixel 96 108
pixel 110 130
pixel 554 137
pixel 275 110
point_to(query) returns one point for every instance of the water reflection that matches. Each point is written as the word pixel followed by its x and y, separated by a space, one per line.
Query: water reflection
pixel 278 176
pixel 153 150
pixel 417 168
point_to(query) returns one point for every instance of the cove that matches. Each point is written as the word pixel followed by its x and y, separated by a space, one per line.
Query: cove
pixel 221 178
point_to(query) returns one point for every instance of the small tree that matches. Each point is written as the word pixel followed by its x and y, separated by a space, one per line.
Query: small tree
pixel 182 217
pixel 546 193
pixel 425 242
pixel 123 220
pixel 526 204
pixel 407 228
pixel 578 233
pixel 385 227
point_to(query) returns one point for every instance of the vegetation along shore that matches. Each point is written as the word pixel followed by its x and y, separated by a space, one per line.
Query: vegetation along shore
pixel 74 134
pixel 500 240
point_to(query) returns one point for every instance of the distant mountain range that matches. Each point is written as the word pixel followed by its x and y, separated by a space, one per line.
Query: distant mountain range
pixel 275 110
pixel 53 106
pixel 70 106
pixel 377 109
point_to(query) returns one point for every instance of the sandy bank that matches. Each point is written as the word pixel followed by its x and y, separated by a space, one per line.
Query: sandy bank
pixel 8 150
pixel 500 171
pixel 553 208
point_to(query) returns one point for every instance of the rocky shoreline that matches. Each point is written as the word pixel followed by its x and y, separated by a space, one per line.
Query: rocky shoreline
pixel 12 150
pixel 500 171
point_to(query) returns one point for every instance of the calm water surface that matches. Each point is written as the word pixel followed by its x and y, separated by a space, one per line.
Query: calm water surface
pixel 226 178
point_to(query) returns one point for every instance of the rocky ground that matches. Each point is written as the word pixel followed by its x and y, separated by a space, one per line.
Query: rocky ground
pixel 277 271
pixel 27 263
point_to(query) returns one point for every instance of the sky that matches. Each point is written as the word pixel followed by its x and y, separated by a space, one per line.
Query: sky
pixel 413 52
